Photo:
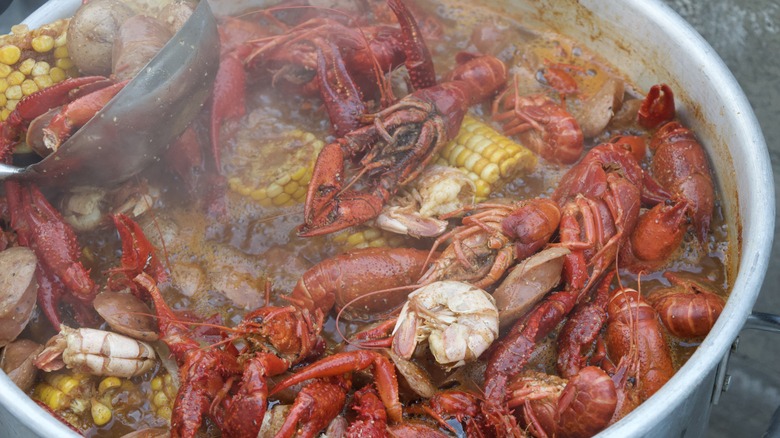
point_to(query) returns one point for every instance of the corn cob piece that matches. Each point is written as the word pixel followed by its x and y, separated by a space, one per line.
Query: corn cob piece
pixel 162 396
pixel 31 60
pixel 67 394
pixel 489 158
pixel 367 237
pixel 271 177
pixel 60 391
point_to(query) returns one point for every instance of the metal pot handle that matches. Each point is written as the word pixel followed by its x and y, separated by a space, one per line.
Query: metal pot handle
pixel 763 321
pixel 767 322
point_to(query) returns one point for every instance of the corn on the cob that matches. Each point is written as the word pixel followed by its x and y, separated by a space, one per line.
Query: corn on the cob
pixel 272 177
pixel 489 158
pixel 61 391
pixel 367 237
pixel 31 60
pixel 162 396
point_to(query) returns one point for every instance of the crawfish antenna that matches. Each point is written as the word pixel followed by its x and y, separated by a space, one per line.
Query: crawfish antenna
pixel 354 300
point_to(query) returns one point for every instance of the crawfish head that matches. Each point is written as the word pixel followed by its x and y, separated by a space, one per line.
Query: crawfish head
pixel 290 332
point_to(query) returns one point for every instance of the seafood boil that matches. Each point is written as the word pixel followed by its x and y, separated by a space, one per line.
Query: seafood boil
pixel 556 248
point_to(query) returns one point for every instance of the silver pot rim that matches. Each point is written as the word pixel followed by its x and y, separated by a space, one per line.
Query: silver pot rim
pixel 756 211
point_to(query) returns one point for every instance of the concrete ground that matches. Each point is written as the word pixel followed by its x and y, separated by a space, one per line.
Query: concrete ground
pixel 746 34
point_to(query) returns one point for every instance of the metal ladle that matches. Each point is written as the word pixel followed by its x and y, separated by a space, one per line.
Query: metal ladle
pixel 135 128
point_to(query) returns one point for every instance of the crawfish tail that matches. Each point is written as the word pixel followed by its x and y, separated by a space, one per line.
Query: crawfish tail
pixel 341 279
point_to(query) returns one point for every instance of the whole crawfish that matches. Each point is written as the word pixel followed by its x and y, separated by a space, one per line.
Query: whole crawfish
pixel 680 165
pixel 491 239
pixel 60 274
pixel 544 125
pixel 297 57
pixel 401 140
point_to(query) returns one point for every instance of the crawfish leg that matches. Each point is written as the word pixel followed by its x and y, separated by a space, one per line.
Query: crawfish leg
pixel 337 364
pixel 372 417
pixel 315 407
pixel 339 93
pixel 202 376
pixel 418 57
pixel 244 412
pixel 76 114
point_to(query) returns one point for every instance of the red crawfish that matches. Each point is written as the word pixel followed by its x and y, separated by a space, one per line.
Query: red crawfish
pixel 543 124
pixel 401 140
pixel 688 309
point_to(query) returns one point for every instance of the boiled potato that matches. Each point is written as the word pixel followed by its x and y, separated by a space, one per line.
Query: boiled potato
pixel 91 35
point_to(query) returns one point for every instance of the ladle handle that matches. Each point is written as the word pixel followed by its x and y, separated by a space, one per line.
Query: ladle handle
pixel 763 321
pixel 8 170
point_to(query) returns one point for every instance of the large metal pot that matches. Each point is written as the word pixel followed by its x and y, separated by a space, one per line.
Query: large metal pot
pixel 650 43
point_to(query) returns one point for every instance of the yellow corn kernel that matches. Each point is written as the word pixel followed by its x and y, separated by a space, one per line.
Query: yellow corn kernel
pixel 50 396
pixel 156 383
pixel 274 190
pixel 291 187
pixel 109 382
pixel 29 87
pixel 257 195
pixel 10 54
pixel 165 412
pixel 14 92
pixel 10 104
pixel 483 189
pixel 282 199
pixel 160 399
pixel 42 43
pixel 61 40
pixel 15 78
pixel 40 68
pixel 43 81
pixel 5 70
pixel 356 239
pixel 470 161
pixel 365 237
pixel 298 174
pixel 101 414
pixel 300 194
pixel 64 63
pixel 4 113
pixel 26 66
pixel 3 85
pixel 64 382
pixel 61 52
pixel 283 180
pixel 3 100
pixel 57 74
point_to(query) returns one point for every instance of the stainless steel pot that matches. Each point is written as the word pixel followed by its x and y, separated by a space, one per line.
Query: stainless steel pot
pixel 651 44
